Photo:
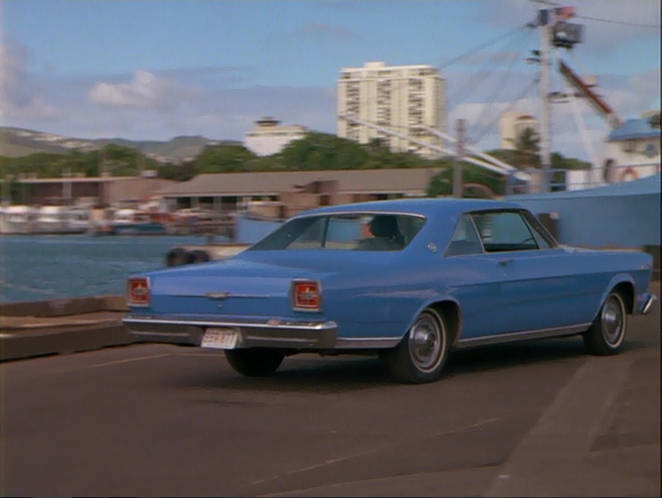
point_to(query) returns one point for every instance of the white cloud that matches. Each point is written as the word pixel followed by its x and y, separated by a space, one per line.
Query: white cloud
pixel 145 90
pixel 18 97
pixel 640 93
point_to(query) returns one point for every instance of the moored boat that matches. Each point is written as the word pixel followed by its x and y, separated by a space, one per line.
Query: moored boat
pixel 17 219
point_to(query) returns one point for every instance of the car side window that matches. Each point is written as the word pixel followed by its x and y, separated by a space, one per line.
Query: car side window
pixel 464 240
pixel 504 231
pixel 544 239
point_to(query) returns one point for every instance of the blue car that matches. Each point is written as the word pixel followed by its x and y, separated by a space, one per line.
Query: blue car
pixel 409 280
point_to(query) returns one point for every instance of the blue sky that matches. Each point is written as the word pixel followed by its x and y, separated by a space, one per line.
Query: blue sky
pixel 156 69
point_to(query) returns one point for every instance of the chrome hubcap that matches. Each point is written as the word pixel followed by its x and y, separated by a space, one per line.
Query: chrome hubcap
pixel 426 343
pixel 613 320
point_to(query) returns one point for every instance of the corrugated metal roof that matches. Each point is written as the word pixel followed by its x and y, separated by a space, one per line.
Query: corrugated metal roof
pixel 79 179
pixel 404 180
pixel 633 129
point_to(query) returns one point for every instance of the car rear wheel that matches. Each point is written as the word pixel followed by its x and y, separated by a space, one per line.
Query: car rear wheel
pixel 255 362
pixel 421 355
pixel 607 333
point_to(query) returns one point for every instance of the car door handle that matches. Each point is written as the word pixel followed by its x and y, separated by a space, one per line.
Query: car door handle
pixel 504 262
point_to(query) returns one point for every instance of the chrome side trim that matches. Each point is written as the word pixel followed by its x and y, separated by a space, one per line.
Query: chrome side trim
pixel 293 340
pixel 159 334
pixel 372 342
pixel 271 324
pixel 225 295
pixel 360 211
pixel 523 335
pixel 218 295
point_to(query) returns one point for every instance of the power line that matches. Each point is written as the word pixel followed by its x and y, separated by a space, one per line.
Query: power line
pixel 404 80
pixel 501 83
pixel 627 23
pixel 482 46
pixel 512 104
pixel 482 74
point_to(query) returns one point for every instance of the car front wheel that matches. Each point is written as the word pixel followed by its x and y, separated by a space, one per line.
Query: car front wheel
pixel 421 354
pixel 255 362
pixel 607 333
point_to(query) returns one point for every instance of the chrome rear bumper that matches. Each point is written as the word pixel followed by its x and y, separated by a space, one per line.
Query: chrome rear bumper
pixel 268 333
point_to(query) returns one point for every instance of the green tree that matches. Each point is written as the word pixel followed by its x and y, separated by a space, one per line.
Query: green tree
pixel 116 160
pixel 442 183
pixel 223 159
pixel 527 147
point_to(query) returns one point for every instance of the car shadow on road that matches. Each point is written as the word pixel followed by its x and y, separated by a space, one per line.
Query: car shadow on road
pixel 326 375
pixel 297 374
pixel 500 356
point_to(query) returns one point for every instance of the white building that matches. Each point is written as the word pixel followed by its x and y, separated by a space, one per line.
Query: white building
pixel 268 136
pixel 632 150
pixel 512 124
pixel 401 98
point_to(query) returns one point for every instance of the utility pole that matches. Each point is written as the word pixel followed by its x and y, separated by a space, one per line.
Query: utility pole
pixel 66 185
pixel 459 157
pixel 545 21
pixel 6 189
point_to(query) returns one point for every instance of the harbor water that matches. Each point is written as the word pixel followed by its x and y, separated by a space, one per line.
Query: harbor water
pixel 39 267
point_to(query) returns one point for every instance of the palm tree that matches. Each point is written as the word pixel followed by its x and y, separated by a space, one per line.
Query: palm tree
pixel 527 148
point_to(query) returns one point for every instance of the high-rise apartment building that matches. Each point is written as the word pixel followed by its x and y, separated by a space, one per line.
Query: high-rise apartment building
pixel 400 98
pixel 512 125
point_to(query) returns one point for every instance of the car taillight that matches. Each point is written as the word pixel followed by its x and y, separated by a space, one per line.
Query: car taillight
pixel 137 290
pixel 306 295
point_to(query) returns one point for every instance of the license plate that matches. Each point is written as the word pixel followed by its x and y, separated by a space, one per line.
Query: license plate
pixel 219 338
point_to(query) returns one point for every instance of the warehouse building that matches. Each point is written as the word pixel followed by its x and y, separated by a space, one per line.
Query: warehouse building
pixel 294 191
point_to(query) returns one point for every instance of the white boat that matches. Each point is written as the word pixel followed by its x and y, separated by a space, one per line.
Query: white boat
pixel 136 222
pixel 50 219
pixel 17 219
pixel 61 220
pixel 78 219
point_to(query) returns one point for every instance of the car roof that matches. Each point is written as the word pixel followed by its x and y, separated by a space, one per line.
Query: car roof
pixel 425 207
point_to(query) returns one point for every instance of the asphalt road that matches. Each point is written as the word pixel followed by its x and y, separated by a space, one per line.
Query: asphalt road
pixel 537 418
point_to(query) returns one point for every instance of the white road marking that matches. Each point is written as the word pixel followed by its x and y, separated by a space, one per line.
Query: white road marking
pixel 374 450
pixel 129 360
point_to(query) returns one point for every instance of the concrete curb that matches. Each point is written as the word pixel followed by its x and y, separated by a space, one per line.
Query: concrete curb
pixel 64 307
pixel 29 329
pixel 27 344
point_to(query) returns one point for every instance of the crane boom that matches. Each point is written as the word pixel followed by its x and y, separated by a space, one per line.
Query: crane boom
pixel 506 171
pixel 593 98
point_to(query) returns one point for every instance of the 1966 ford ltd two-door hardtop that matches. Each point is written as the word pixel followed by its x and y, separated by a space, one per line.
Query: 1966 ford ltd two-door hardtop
pixel 408 280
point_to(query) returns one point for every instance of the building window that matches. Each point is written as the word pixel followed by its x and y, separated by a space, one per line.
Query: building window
pixel 629 146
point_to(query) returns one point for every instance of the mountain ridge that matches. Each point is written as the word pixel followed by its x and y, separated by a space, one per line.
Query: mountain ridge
pixel 20 142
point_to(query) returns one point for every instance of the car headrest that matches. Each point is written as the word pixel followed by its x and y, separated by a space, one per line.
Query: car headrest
pixel 384 226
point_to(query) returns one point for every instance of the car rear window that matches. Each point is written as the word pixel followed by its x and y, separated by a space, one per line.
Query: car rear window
pixel 349 232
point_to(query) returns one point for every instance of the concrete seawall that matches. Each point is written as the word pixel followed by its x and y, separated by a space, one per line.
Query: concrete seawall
pixel 38 328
